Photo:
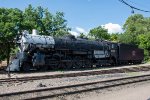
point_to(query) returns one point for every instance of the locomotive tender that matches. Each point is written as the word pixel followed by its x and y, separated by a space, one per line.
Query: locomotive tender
pixel 41 52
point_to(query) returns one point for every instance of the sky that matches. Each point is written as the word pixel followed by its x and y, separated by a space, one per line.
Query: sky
pixel 83 15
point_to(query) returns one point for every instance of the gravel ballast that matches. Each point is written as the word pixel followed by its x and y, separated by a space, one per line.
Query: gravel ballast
pixel 17 75
pixel 45 83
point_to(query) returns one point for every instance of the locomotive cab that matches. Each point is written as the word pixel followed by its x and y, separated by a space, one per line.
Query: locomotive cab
pixel 114 53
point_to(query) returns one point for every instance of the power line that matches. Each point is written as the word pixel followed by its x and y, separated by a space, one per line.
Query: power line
pixel 137 4
pixel 132 7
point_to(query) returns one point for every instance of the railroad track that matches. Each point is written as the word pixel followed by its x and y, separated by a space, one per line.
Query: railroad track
pixel 110 71
pixel 46 93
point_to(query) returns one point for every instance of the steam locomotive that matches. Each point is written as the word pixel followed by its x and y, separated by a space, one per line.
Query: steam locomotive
pixel 39 52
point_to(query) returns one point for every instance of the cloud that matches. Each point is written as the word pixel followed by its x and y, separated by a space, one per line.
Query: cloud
pixel 80 30
pixel 113 28
pixel 77 30
pixel 74 33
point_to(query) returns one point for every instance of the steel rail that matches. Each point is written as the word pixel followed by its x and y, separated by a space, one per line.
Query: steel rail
pixel 73 89
pixel 109 71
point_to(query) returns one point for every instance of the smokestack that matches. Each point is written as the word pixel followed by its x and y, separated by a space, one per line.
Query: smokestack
pixel 35 32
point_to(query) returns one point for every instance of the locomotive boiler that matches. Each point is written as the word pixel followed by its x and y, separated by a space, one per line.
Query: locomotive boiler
pixel 39 52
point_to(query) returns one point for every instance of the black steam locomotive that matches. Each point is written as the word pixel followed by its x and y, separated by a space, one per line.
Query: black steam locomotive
pixel 45 52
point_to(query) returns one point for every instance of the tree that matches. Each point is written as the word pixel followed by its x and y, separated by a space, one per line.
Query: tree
pixel 82 35
pixel 30 19
pixel 144 42
pixel 9 19
pixel 59 26
pixel 13 21
pixel 46 23
pixel 127 38
pixel 137 32
pixel 114 37
pixel 99 33
pixel 134 26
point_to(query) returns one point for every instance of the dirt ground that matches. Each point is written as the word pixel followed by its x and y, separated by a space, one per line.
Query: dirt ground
pixel 132 92
pixel 139 91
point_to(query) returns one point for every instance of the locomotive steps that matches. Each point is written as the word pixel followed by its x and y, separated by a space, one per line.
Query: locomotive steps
pixel 34 76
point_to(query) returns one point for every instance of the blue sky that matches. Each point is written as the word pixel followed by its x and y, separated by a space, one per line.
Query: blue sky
pixel 83 15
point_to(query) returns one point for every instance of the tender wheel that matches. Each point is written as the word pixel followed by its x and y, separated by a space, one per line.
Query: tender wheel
pixel 88 64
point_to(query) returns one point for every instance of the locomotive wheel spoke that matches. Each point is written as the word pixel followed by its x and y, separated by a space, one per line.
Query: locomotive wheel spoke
pixel 87 64
pixel 53 64
pixel 77 63
pixel 69 63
